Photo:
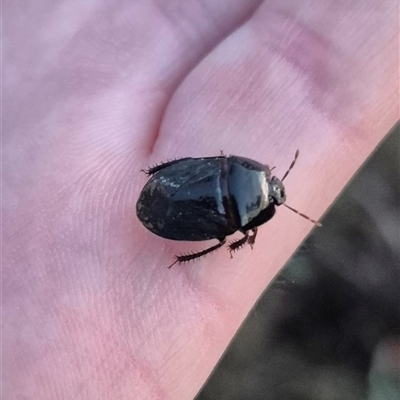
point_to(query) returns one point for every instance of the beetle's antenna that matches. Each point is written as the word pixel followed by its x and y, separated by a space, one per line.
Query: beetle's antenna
pixel 316 223
pixel 291 165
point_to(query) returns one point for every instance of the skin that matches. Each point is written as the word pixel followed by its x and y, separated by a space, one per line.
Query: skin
pixel 95 91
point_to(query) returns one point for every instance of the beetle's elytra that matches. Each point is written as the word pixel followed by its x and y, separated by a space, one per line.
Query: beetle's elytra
pixel 195 199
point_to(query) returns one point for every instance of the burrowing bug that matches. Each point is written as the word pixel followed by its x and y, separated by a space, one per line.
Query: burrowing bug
pixel 195 199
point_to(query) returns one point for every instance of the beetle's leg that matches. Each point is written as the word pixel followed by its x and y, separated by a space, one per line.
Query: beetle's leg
pixel 237 244
pixel 187 257
pixel 252 238
pixel 152 170
pixel 156 168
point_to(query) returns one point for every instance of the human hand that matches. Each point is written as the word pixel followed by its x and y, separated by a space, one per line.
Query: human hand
pixel 96 92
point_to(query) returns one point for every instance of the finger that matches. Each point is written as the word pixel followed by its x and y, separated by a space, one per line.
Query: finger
pixel 279 83
pixel 123 58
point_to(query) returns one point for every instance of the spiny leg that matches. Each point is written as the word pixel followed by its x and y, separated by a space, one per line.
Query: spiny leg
pixel 152 170
pixel 237 244
pixel 187 257
pixel 252 238
pixel 156 168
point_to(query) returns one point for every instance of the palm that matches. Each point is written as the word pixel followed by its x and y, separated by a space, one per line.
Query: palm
pixel 91 309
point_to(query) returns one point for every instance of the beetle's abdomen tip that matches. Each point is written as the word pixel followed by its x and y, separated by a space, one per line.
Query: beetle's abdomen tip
pixel 152 206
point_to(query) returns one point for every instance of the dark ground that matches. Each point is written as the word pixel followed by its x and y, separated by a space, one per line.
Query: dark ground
pixel 328 327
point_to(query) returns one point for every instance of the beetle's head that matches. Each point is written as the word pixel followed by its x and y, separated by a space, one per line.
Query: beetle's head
pixel 277 191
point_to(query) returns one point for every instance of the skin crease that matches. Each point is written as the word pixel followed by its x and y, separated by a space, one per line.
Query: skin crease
pixel 95 91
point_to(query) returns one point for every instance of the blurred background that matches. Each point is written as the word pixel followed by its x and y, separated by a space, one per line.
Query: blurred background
pixel 328 327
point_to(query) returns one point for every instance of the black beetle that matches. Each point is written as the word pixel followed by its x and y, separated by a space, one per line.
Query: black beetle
pixel 197 199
